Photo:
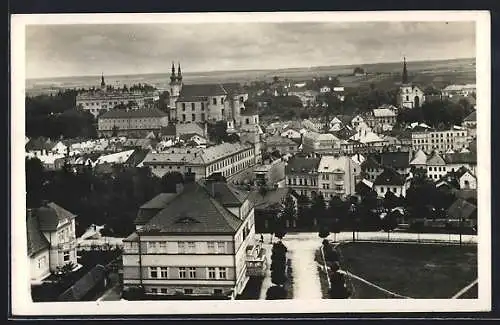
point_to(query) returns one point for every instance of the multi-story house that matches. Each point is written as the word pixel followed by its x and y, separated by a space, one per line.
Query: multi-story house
pixel 458 90
pixel 51 239
pixel 281 144
pixel 470 123
pixel 200 249
pixel 205 102
pixel 383 119
pixel 441 141
pixel 391 181
pixel 102 100
pixel 457 160
pixel 302 175
pixel 132 122
pixel 397 160
pixel 226 158
pixel 320 143
pixel 337 176
pixel 436 166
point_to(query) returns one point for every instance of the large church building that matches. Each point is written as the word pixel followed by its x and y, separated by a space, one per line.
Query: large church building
pixel 207 102
pixel 410 96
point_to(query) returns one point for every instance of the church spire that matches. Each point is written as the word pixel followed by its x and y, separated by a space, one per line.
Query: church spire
pixel 405 72
pixel 172 76
pixel 103 84
pixel 179 74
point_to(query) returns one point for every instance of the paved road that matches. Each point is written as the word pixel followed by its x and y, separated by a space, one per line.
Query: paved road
pixel 114 293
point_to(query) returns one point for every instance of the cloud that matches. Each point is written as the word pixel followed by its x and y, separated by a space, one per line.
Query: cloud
pixel 53 50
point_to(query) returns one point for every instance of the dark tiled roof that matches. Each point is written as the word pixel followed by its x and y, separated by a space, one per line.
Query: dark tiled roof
pixel 82 287
pixel 389 177
pixel 461 158
pixel 168 130
pixel 49 216
pixel 39 144
pixel 191 93
pixel 135 113
pixel 226 194
pixel 473 146
pixel 250 111
pixel 471 117
pixel 302 165
pixel 461 209
pixel 233 88
pixel 184 216
pixel 36 240
pixel 395 159
pixel 137 157
pixel 370 162
pixel 151 208
pixel 466 194
pixel 272 198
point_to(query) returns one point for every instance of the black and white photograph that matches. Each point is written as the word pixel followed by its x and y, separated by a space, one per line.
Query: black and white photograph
pixel 204 163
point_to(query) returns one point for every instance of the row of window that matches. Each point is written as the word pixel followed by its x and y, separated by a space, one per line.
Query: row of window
pixel 440 169
pixel 229 161
pixel 193 106
pixel 182 247
pixel 186 291
pixel 211 273
pixel 302 181
pixel 336 177
pixel 193 117
pixel 394 189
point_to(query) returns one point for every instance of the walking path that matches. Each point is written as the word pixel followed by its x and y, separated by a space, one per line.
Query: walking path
pixel 306 278
pixel 371 284
pixel 464 290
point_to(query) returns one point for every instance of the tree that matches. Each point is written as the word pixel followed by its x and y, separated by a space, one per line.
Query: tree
pixel 289 212
pixel 390 221
pixel 358 70
pixel 278 264
pixel 318 208
pixel 34 182
pixel 217 131
pixel 391 200
pixel 170 180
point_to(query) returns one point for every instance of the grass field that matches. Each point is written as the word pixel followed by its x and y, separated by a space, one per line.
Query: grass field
pixel 416 271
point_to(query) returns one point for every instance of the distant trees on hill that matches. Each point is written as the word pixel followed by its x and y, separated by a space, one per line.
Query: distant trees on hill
pixel 56 115
pixel 358 70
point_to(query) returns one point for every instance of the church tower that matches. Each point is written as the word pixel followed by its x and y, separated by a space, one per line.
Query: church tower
pixel 175 90
pixel 103 84
pixel 410 96
pixel 405 73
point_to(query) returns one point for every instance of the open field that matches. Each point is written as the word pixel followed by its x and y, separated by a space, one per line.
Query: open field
pixel 416 271
pixel 456 70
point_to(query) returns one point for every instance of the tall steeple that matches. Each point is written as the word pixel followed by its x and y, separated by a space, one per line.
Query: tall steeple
pixel 172 76
pixel 103 84
pixel 405 72
pixel 179 74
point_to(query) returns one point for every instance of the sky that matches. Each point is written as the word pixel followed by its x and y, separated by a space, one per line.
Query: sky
pixel 77 50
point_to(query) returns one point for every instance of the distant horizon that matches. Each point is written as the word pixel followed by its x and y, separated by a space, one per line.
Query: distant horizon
pixel 250 69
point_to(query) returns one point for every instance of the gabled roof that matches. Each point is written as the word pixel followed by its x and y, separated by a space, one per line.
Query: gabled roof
pixel 420 158
pixel 370 162
pixel 277 140
pixel 192 93
pixel 461 158
pixel 137 157
pixel 153 206
pixel 50 215
pixel 170 129
pixel 471 117
pixel 461 209
pixel 302 165
pixel 435 160
pixel 383 112
pixel 36 240
pixel 83 286
pixel 40 143
pixel 396 159
pixel 226 194
pixel 462 171
pixel 184 216
pixel 272 198
pixel 134 113
pixel 389 177
pixel 250 111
